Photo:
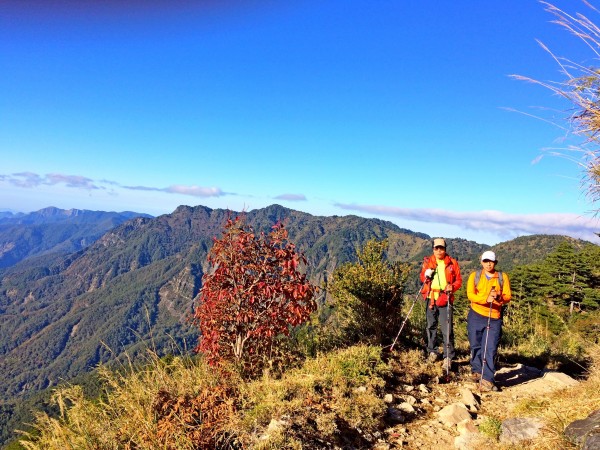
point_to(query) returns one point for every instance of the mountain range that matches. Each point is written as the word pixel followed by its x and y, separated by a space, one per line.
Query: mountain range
pixel 53 231
pixel 113 284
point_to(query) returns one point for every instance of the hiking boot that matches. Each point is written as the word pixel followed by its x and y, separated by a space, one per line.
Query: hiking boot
pixel 475 377
pixel 432 357
pixel 487 386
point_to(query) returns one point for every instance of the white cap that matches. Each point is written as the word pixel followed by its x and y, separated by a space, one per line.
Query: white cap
pixel 488 255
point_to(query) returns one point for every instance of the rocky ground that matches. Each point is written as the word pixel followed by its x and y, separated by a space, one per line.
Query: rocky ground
pixel 440 412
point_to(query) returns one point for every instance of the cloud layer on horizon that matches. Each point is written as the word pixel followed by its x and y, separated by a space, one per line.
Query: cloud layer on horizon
pixel 32 180
pixel 506 225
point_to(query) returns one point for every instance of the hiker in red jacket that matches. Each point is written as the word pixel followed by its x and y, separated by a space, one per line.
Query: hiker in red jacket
pixel 440 276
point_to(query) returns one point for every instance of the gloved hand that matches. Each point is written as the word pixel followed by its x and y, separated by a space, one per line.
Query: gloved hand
pixel 429 273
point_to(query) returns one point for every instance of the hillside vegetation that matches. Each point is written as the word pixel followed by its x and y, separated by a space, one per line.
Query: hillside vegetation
pixel 330 392
pixel 134 288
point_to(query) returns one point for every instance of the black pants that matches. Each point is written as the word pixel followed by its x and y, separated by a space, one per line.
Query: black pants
pixel 443 316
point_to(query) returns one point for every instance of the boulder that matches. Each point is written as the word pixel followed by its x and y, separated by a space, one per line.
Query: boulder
pixel 468 399
pixel 585 432
pixel 453 414
pixel 519 429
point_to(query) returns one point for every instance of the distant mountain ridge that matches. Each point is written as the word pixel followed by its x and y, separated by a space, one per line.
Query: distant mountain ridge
pixel 10 214
pixel 54 231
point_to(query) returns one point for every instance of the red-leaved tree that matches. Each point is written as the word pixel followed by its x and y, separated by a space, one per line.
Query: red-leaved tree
pixel 253 294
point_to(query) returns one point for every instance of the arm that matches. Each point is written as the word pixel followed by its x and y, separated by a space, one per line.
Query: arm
pixel 506 292
pixel 457 283
pixel 475 296
pixel 424 267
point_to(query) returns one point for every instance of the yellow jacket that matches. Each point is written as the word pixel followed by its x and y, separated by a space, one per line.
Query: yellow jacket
pixel 478 294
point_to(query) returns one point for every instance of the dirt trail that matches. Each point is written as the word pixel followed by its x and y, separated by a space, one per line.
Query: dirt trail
pixel 422 429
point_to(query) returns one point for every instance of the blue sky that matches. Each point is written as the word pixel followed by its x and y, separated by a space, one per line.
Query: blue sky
pixel 402 110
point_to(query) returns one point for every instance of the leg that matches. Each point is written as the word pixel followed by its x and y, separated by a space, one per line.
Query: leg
pixel 476 325
pixel 446 318
pixel 432 322
pixel 493 339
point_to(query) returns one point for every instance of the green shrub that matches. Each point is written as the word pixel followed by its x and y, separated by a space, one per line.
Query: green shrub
pixel 491 427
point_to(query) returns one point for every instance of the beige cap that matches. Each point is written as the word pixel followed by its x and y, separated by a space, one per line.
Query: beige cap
pixel 439 241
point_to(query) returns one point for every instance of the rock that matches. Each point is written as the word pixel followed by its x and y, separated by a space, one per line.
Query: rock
pixel 406 407
pixel 560 378
pixel 466 426
pixel 410 400
pixel 388 398
pixel 550 381
pixel 468 441
pixel 468 399
pixel 408 388
pixel 468 438
pixel 585 432
pixel 395 415
pixel 274 427
pixel 423 389
pixel 518 429
pixel 592 442
pixel 453 414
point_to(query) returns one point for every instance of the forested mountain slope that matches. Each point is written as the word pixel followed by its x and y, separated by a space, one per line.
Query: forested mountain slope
pixel 62 316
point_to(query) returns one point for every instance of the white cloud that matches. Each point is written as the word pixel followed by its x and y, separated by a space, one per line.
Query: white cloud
pixel 74 181
pixel 292 197
pixel 503 224
pixel 195 191
pixel 31 180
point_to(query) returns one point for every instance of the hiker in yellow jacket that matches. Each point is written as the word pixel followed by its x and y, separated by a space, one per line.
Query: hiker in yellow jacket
pixel 488 290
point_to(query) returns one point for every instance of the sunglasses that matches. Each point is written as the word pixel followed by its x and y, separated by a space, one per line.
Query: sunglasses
pixel 439 247
pixel 488 260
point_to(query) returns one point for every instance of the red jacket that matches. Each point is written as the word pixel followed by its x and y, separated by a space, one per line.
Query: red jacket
pixel 453 278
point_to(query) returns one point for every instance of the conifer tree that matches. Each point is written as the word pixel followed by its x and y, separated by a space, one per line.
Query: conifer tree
pixel 369 295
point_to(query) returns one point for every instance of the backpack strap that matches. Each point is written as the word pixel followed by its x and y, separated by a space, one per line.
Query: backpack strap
pixel 500 278
pixel 477 277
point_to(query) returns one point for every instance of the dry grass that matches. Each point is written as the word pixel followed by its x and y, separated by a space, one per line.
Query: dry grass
pixel 564 407
pixel 329 395
pixel 411 367
pixel 157 406
pixel 182 403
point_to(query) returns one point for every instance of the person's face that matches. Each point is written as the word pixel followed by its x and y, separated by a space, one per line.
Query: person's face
pixel 439 251
pixel 488 265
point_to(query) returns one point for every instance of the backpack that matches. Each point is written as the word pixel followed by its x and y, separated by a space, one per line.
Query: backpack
pixel 500 278
pixel 501 281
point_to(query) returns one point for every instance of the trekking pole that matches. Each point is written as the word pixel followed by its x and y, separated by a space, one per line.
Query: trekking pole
pixel 487 334
pixel 408 314
pixel 447 359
